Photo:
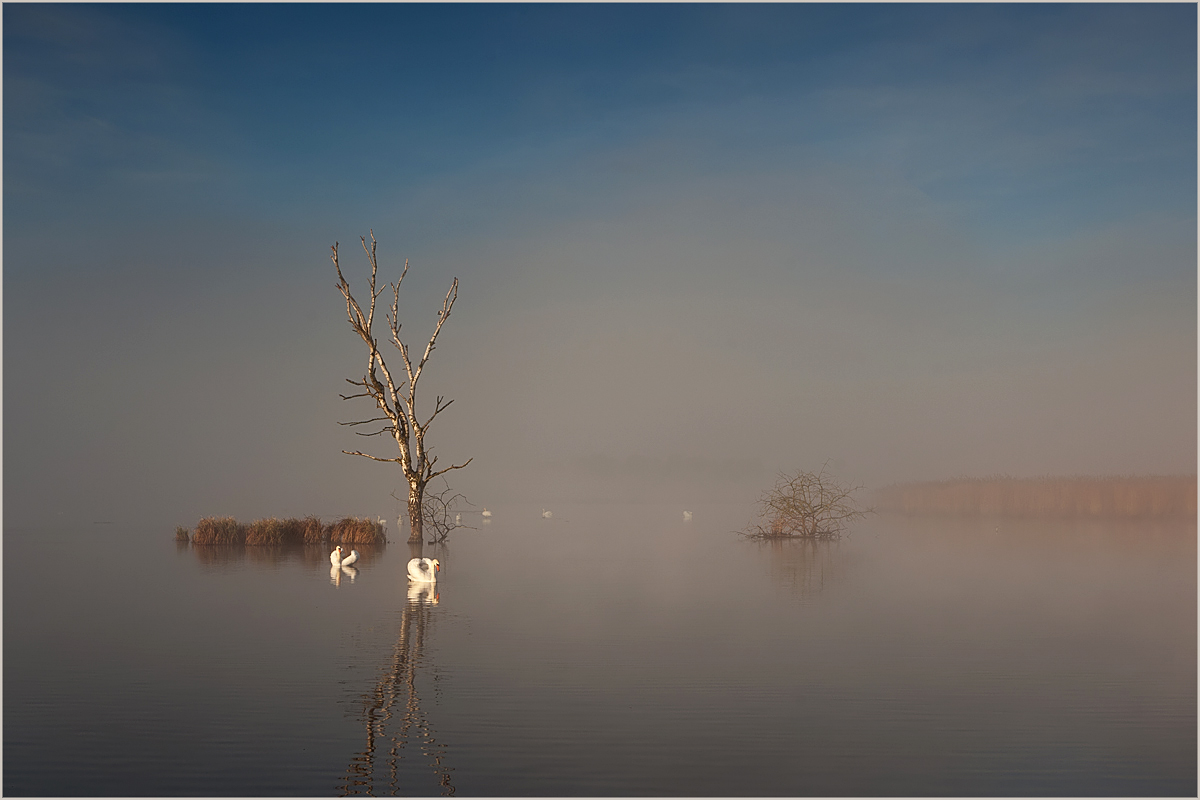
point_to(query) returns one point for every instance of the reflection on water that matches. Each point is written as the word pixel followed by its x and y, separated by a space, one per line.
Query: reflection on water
pixel 313 556
pixel 804 566
pixel 927 656
pixel 392 712
pixel 337 572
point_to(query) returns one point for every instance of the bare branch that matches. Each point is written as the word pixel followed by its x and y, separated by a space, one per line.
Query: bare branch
pixel 368 455
pixel 447 469
pixel 809 505
pixel 397 402
pixel 365 421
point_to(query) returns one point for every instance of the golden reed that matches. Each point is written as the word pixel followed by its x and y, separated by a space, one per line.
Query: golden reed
pixel 273 531
pixel 1128 497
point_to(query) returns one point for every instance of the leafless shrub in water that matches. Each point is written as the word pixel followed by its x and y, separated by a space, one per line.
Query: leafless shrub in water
pixel 809 505
pixel 441 511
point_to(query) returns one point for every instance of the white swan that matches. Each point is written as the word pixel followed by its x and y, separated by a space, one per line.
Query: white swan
pixel 486 513
pixel 335 557
pixel 547 514
pixel 687 516
pixel 423 569
pixel 458 519
pixel 350 559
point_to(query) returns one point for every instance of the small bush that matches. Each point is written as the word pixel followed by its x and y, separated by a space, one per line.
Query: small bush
pixel 219 530
pixel 806 505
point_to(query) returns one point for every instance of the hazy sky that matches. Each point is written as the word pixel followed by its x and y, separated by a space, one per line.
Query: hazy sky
pixel 696 245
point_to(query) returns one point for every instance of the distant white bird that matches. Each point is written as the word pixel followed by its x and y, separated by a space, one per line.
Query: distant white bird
pixel 687 516
pixel 335 557
pixel 547 514
pixel 383 523
pixel 423 569
pixel 486 513
pixel 350 559
pixel 458 519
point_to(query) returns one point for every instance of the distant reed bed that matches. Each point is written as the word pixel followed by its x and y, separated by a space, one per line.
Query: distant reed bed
pixel 276 532
pixel 1126 497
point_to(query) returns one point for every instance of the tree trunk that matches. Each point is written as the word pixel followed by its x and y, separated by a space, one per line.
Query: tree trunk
pixel 415 496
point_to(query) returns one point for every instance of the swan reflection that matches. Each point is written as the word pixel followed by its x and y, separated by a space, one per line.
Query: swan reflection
pixel 336 573
pixel 422 593
pixel 392 714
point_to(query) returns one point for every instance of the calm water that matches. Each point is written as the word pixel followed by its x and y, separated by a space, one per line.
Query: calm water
pixel 608 651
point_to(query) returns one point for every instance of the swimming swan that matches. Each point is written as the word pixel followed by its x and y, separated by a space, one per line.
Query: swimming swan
pixel 423 569
pixel 350 559
pixel 486 513
pixel 687 516
pixel 335 557
pixel 547 514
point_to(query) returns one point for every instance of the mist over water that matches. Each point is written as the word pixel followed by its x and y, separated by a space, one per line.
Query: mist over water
pixel 611 650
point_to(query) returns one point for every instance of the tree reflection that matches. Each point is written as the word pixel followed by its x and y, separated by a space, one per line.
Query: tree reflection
pixel 392 712
pixel 804 566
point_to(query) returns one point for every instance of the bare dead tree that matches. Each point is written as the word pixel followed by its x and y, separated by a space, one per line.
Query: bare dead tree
pixel 812 505
pixel 395 397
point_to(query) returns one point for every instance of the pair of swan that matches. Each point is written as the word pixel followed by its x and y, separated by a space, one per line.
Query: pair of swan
pixel 336 559
pixel 547 514
pixel 423 569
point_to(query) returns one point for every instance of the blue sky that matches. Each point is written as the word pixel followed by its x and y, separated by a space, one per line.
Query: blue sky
pixel 697 244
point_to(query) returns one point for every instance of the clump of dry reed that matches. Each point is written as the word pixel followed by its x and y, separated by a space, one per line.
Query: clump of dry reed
pixel 219 530
pixel 272 531
pixel 313 530
pixel 354 530
pixel 1128 497
pixel 181 533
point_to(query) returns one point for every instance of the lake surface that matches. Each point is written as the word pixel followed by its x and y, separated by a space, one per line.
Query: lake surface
pixel 610 650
